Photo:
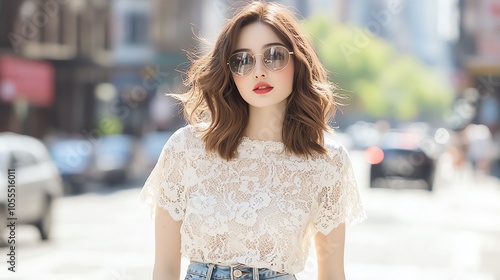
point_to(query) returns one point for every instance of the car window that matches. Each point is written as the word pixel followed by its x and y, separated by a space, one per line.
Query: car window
pixel 22 159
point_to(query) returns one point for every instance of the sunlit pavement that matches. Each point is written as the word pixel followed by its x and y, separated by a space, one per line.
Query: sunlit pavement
pixel 451 233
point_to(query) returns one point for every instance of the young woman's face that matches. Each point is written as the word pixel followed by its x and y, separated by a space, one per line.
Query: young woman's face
pixel 263 87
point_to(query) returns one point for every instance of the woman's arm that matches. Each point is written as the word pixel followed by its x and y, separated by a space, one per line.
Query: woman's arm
pixel 167 246
pixel 330 254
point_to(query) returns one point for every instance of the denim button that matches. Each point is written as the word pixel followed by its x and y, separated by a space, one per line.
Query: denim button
pixel 237 273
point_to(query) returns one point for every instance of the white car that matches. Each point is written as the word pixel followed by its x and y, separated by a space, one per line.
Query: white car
pixel 29 182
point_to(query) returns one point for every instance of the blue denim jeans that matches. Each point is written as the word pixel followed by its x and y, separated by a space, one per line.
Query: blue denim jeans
pixel 205 271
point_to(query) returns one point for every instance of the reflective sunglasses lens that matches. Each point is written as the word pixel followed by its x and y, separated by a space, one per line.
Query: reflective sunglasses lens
pixel 276 58
pixel 241 63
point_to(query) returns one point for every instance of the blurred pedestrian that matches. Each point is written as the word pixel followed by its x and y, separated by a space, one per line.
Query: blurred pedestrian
pixel 480 149
pixel 243 188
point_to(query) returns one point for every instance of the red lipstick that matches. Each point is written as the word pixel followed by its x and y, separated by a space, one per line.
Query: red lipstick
pixel 262 88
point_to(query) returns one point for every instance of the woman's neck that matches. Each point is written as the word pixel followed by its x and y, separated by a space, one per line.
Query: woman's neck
pixel 265 124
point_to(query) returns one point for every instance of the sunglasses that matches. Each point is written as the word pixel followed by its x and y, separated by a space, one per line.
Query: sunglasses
pixel 274 58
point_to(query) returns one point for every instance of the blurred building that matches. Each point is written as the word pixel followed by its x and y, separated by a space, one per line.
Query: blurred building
pixel 176 29
pixel 69 42
pixel 423 28
pixel 479 55
pixel 125 98
pixel 26 85
pixel 86 68
pixel 479 50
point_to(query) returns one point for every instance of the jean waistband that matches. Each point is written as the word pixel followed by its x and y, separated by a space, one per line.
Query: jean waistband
pixel 233 272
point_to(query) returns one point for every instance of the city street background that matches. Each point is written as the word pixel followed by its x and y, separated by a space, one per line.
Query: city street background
pixel 84 116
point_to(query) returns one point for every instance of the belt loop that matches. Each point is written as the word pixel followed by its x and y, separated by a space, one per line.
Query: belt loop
pixel 255 273
pixel 210 270
pixel 231 276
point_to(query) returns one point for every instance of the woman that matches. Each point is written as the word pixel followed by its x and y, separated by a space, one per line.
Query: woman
pixel 243 188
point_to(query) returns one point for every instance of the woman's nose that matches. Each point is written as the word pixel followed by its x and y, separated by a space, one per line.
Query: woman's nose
pixel 260 70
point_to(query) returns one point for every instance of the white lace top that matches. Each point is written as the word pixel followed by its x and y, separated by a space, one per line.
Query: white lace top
pixel 261 209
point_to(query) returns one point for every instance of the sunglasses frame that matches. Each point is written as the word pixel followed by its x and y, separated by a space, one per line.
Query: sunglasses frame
pixel 255 60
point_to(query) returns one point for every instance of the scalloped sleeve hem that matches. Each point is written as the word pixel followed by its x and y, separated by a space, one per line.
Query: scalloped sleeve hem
pixel 340 201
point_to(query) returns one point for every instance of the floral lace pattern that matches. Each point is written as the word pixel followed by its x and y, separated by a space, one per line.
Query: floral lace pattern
pixel 261 209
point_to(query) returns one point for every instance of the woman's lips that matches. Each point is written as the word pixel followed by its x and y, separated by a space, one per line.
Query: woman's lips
pixel 262 88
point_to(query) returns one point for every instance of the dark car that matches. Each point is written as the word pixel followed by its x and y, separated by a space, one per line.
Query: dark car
pixel 29 182
pixel 402 155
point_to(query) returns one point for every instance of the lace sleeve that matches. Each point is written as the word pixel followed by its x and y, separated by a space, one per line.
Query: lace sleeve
pixel 164 186
pixel 339 201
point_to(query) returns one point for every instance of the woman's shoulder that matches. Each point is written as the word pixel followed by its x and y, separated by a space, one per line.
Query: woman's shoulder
pixel 186 134
pixel 334 148
pixel 332 144
pixel 336 157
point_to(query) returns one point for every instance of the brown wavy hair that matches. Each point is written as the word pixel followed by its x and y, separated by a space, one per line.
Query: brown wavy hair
pixel 213 97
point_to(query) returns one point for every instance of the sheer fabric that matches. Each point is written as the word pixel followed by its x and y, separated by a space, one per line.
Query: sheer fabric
pixel 261 209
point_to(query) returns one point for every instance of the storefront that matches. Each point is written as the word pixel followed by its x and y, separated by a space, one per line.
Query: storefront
pixel 26 95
